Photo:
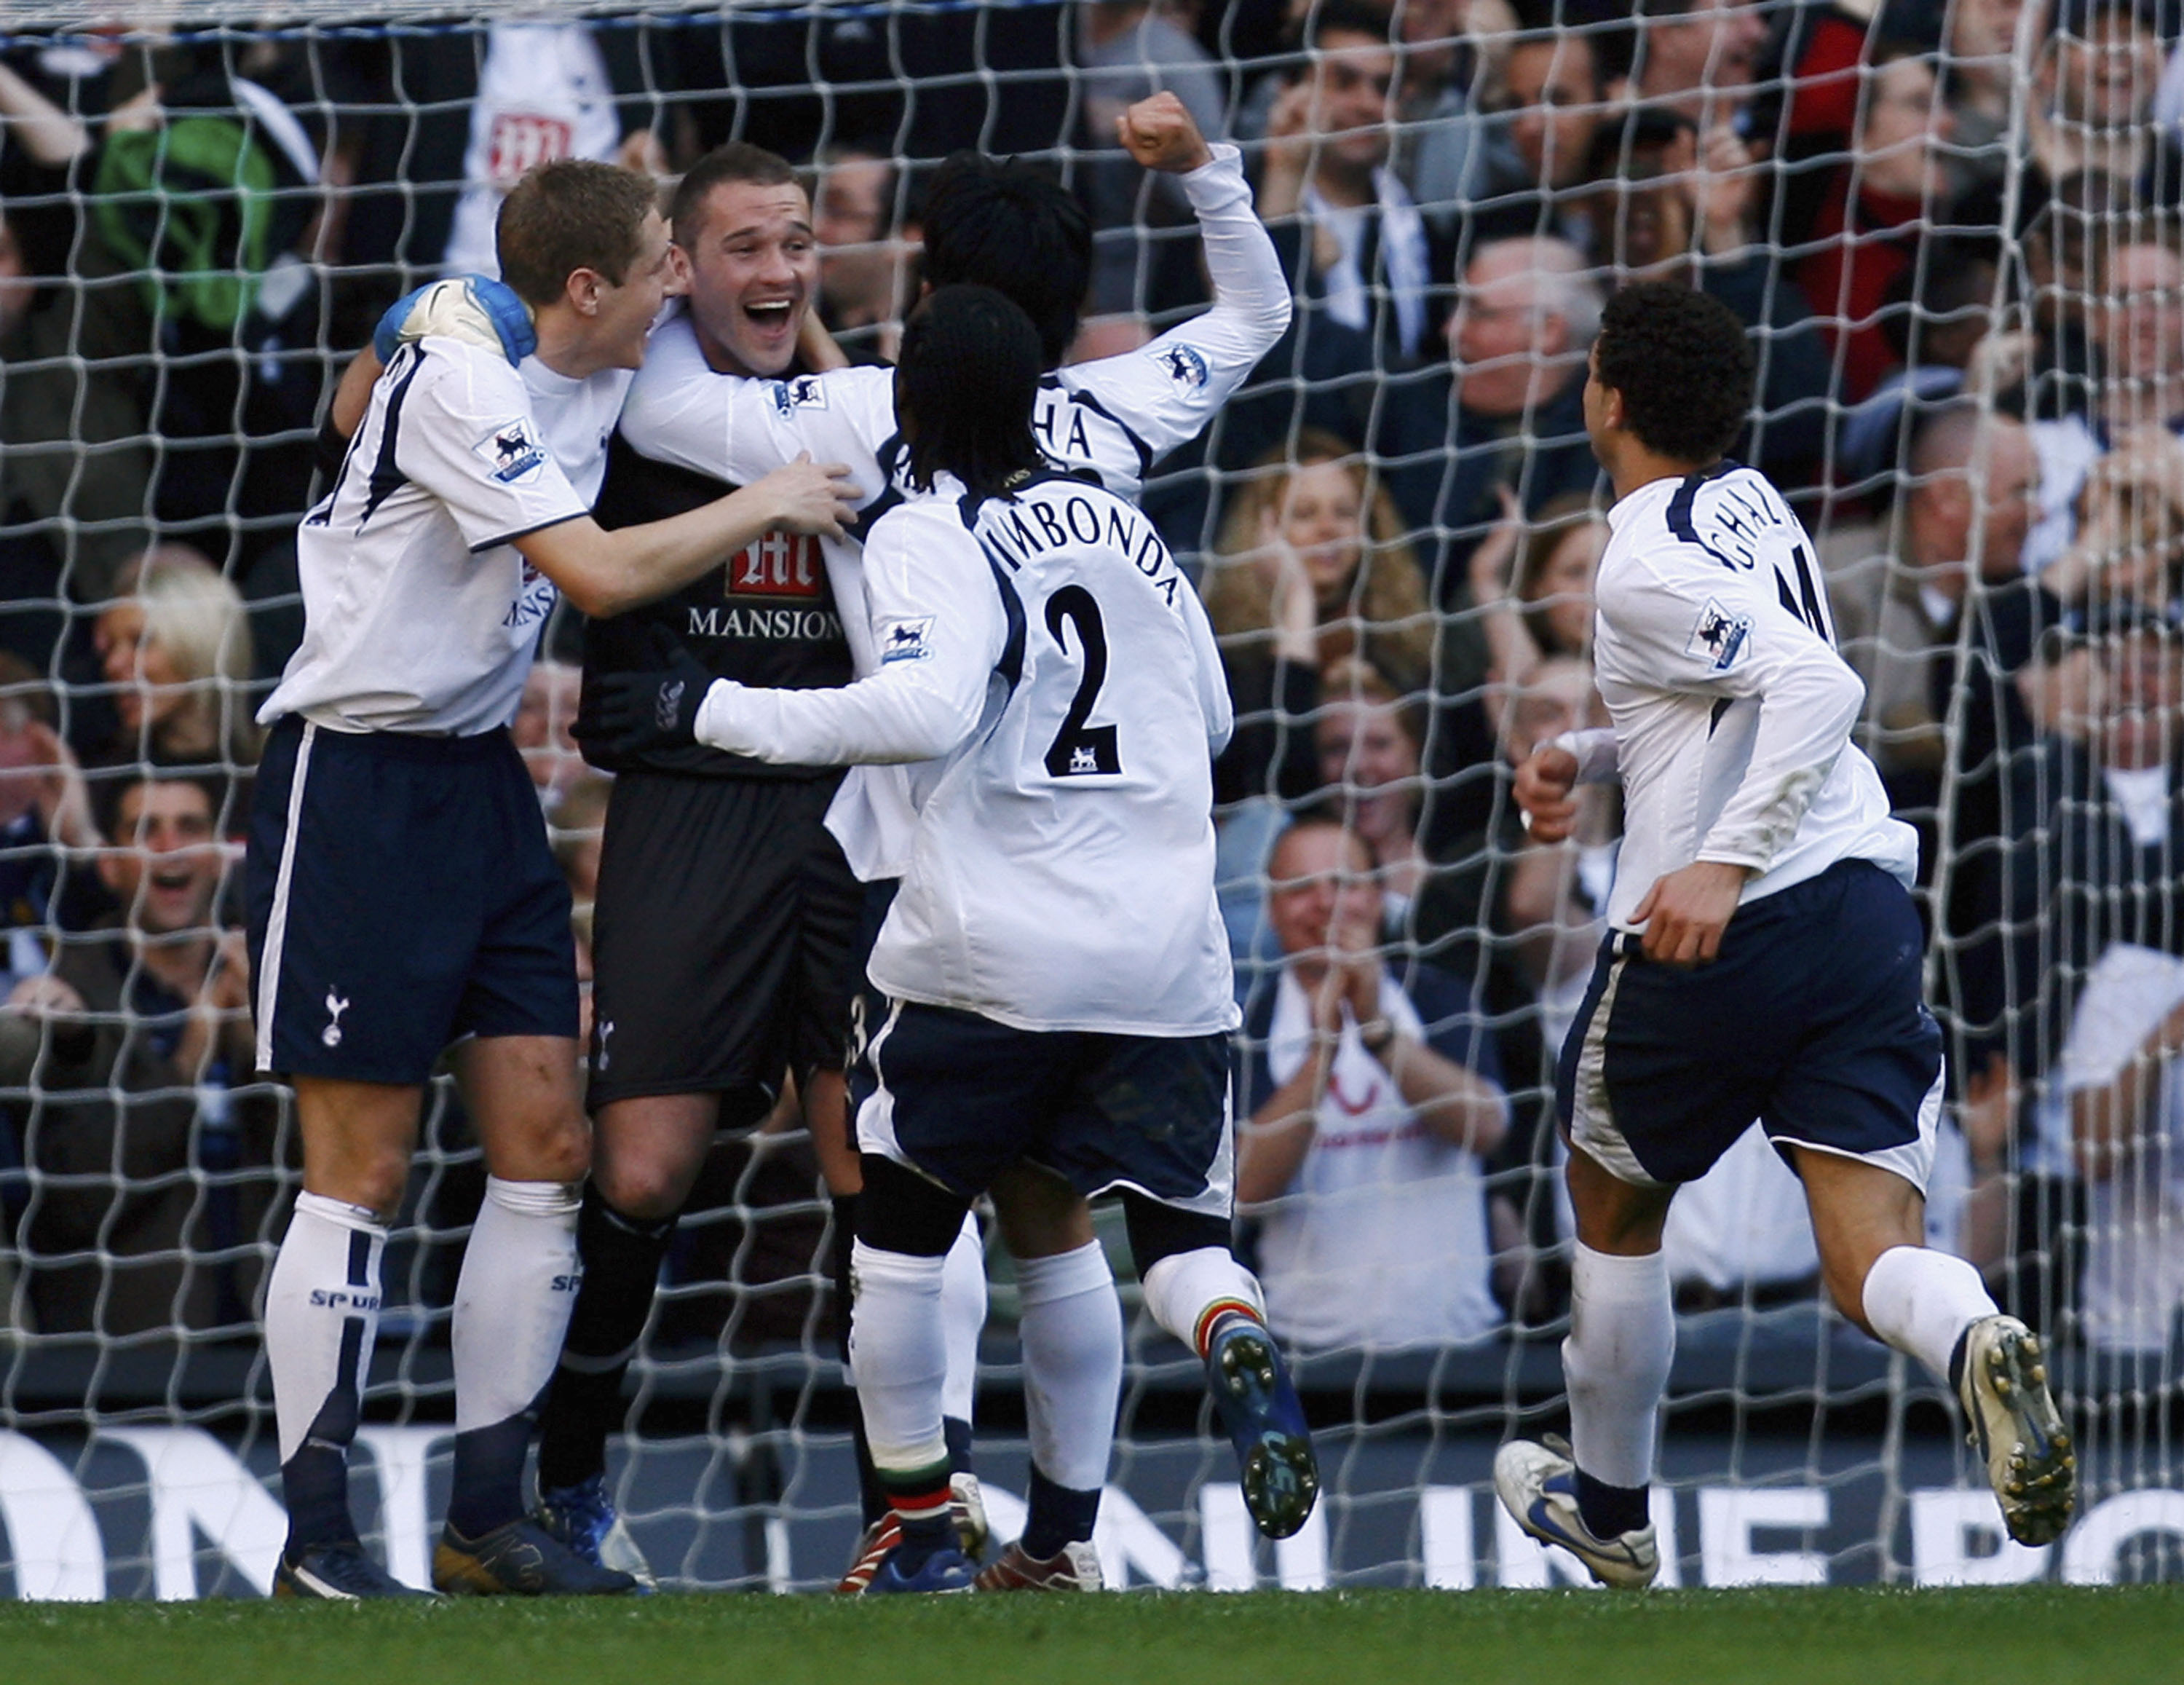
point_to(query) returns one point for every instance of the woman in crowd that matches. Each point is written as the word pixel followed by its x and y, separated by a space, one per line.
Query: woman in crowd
pixel 174 644
pixel 1310 567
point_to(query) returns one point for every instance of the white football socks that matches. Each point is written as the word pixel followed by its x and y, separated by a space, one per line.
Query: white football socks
pixel 898 1354
pixel 1921 1300
pixel 963 1318
pixel 518 1284
pixel 1181 1288
pixel 1622 1341
pixel 1072 1328
pixel 324 1278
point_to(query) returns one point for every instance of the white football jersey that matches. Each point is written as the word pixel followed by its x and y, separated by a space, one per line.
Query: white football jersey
pixel 1715 653
pixel 1114 417
pixel 419 615
pixel 1056 674
pixel 543 94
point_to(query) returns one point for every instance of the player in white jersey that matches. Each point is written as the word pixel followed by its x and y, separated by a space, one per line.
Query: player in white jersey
pixel 402 895
pixel 1056 968
pixel 1763 958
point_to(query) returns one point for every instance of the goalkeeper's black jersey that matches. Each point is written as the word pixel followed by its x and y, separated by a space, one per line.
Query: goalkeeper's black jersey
pixel 767 618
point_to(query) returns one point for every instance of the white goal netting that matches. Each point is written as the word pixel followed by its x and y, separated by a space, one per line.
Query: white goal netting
pixel 1952 228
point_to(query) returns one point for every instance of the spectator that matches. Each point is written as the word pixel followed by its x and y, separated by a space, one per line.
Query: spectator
pixel 543 730
pixel 1372 1106
pixel 1880 205
pixel 1371 747
pixel 2099 68
pixel 1897 599
pixel 1551 104
pixel 2136 322
pixel 157 1179
pixel 1129 50
pixel 176 647
pixel 1310 566
pixel 1547 610
pixel 1979 79
pixel 544 90
pixel 1351 235
pixel 1507 411
pixel 576 829
pixel 45 820
pixel 2100 902
pixel 1699 59
pixel 860 263
pixel 75 467
pixel 1441 65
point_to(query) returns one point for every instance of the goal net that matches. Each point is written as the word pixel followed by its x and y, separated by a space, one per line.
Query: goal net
pixel 1951 226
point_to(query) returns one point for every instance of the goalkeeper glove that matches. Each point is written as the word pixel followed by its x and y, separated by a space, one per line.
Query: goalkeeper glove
pixel 638 711
pixel 467 307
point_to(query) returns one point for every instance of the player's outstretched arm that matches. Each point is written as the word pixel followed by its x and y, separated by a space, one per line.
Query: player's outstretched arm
pixel 475 308
pixel 937 616
pixel 608 574
pixel 1167 393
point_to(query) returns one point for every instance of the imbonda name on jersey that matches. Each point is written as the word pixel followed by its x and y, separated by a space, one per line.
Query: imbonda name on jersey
pixel 1018 533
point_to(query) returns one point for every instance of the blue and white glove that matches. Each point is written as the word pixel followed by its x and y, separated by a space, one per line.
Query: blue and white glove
pixel 466 307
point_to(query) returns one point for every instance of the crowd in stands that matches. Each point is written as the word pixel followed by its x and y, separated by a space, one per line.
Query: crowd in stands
pixel 1952 225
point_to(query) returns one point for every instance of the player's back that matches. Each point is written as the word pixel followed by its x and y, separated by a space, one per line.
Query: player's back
pixel 1061 876
pixel 1710 598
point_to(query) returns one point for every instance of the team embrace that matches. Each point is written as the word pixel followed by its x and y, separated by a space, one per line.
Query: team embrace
pixel 937 847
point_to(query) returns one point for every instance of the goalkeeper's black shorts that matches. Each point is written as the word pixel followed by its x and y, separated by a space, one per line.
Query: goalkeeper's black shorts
pixel 722 939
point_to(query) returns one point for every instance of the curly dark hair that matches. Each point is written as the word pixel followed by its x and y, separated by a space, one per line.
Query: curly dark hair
pixel 1682 363
pixel 1013 227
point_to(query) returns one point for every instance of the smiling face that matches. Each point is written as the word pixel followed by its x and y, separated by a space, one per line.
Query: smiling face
pixel 1322 896
pixel 165 865
pixel 754 269
pixel 628 308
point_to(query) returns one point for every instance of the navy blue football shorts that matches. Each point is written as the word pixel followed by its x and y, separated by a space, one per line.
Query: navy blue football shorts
pixel 1810 1020
pixel 958 1097
pixel 402 895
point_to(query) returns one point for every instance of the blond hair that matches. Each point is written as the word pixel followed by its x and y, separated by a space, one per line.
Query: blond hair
pixel 1386 610
pixel 195 614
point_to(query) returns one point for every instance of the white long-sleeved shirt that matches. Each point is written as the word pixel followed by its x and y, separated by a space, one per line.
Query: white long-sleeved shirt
pixel 1054 675
pixel 1731 710
pixel 1116 417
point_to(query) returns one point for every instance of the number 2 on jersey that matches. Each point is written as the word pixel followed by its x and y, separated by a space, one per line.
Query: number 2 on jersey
pixel 1078 750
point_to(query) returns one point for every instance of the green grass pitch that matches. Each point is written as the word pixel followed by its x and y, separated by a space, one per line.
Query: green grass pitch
pixel 2033 1633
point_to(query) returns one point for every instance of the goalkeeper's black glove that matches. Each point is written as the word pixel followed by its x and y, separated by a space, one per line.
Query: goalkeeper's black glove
pixel 638 711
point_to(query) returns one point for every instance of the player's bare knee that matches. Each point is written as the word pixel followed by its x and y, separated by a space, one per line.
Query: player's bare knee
pixel 647 1189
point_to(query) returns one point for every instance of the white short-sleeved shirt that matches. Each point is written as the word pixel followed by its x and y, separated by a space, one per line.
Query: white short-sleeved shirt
pixel 1381 1241
pixel 1059 874
pixel 2134 1279
pixel 543 94
pixel 1713 651
pixel 420 613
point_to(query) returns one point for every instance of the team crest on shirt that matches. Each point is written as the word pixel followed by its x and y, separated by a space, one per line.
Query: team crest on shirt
pixel 511 452
pixel 906 640
pixel 1720 637
pixel 1186 364
pixel 799 392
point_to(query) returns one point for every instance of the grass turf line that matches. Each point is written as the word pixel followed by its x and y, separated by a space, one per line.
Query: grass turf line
pixel 1855 1635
